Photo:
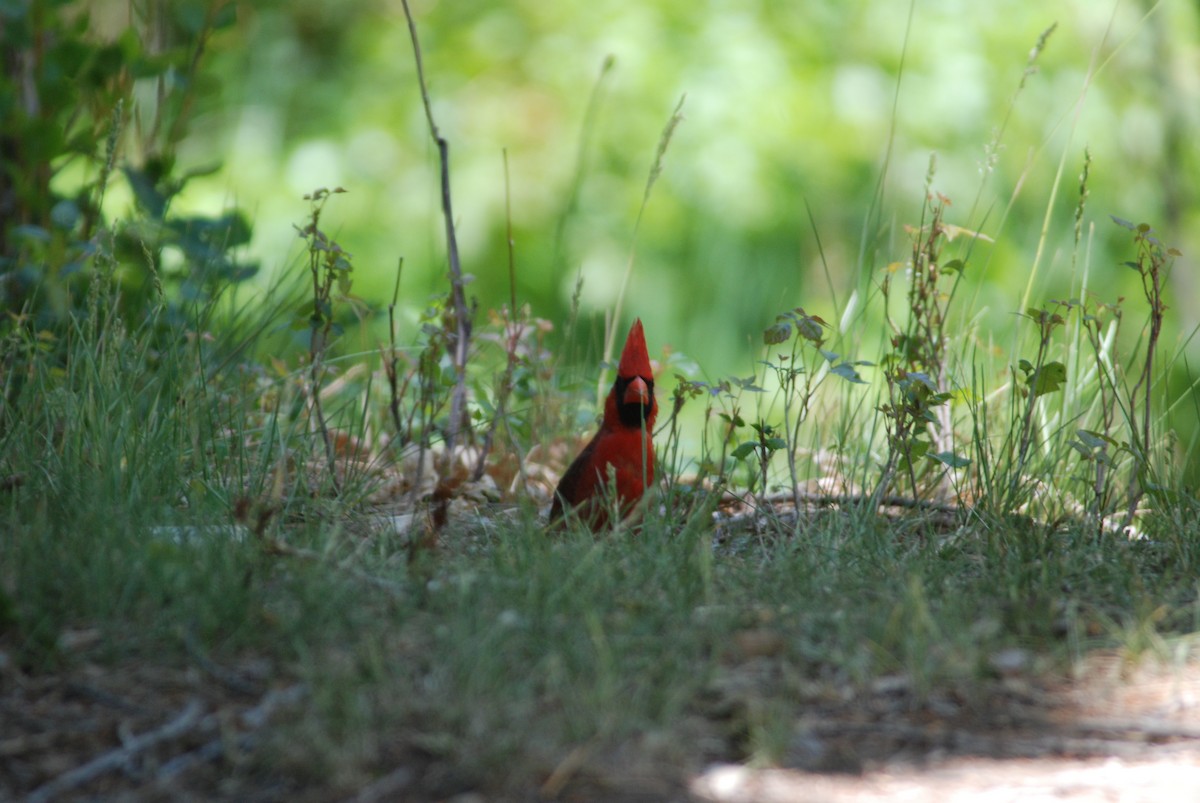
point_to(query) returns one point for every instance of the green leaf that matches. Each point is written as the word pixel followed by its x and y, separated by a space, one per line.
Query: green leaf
pixel 809 328
pixel 950 459
pixel 777 333
pixel 744 450
pixel 146 192
pixel 1047 379
pixel 775 444
pixel 1094 440
pixel 65 214
pixel 1123 223
pixel 30 233
pixel 954 266
pixel 924 379
pixel 846 371
pixel 914 450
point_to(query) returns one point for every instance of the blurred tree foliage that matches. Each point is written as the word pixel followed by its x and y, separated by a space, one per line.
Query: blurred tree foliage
pixel 803 153
pixel 792 109
pixel 81 102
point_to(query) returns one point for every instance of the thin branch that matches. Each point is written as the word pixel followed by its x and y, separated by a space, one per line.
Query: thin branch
pixel 462 333
pixel 387 787
pixel 73 779
pixel 391 363
pixel 253 719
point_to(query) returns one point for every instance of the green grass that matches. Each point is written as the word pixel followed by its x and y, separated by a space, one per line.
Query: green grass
pixel 174 495
pixel 493 657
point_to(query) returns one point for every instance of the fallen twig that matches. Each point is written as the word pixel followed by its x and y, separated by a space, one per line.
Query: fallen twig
pixel 230 679
pixel 186 720
pixel 386 787
pixel 254 719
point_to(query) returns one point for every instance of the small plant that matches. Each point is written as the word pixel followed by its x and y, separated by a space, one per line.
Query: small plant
pixel 762 448
pixel 329 267
pixel 1151 261
pixel 916 414
pixel 1098 446
pixel 799 374
pixel 1037 379
pixel 681 499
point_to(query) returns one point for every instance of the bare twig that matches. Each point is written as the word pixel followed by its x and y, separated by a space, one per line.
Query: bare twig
pixel 253 719
pixel 567 769
pixel 462 321
pixel 230 679
pixel 72 779
pixel 391 362
pixel 386 787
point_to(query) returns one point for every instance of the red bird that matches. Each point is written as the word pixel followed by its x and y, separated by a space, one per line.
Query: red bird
pixel 622 446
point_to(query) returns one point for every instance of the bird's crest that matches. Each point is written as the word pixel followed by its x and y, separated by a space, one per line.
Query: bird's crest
pixel 635 360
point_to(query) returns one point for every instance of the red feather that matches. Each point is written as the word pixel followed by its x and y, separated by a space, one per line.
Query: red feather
pixel 622 446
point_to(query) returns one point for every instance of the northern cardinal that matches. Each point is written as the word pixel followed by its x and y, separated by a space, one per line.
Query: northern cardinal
pixel 622 446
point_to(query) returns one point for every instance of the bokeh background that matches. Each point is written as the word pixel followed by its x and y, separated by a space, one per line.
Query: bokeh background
pixel 806 140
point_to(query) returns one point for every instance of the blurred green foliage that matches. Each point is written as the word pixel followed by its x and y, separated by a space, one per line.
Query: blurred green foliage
pixel 803 153
pixel 77 103
pixel 791 109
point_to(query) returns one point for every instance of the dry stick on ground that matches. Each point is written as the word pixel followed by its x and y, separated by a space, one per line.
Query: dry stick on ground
pixel 72 779
pixel 387 787
pixel 187 721
pixel 253 719
pixel 462 320
pixel 235 681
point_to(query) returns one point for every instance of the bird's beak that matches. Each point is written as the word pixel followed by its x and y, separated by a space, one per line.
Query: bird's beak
pixel 637 392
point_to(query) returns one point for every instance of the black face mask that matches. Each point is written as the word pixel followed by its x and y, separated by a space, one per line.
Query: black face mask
pixel 632 414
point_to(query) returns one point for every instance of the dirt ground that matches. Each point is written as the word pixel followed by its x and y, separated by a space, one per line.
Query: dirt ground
pixel 1114 732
